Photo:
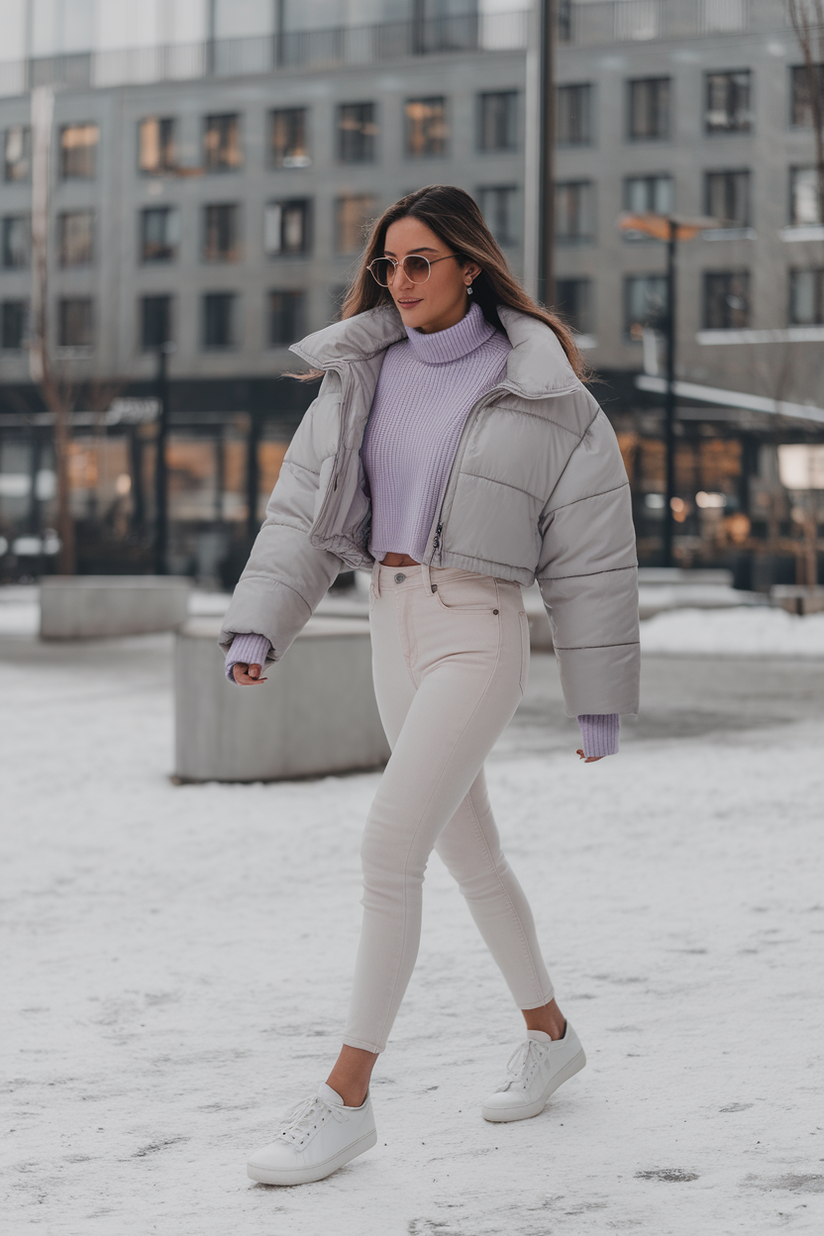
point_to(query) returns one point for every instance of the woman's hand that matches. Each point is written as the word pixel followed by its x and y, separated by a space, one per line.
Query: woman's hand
pixel 246 675
pixel 588 759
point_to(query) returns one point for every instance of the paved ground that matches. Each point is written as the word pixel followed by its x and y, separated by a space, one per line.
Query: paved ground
pixel 178 965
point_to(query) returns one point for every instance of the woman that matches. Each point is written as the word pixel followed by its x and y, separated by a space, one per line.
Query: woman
pixel 454 450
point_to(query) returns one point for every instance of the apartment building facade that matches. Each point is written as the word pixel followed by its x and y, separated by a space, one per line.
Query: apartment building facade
pixel 214 194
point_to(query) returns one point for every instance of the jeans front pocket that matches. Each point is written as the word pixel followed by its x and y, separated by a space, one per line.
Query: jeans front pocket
pixel 467 593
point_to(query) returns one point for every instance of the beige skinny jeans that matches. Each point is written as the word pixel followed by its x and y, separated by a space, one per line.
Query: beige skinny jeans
pixel 450 655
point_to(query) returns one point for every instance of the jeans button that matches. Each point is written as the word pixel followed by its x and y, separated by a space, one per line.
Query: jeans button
pixel 399 578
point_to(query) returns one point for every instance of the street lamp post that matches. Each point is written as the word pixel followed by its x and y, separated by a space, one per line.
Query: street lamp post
pixel 545 283
pixel 161 530
pixel 669 401
pixel 670 229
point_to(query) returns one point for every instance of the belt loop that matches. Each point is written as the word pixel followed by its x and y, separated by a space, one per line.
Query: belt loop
pixel 428 586
pixel 376 578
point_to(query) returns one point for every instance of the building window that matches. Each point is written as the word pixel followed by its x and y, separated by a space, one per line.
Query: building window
pixel 75 234
pixel 357 132
pixel 16 242
pixel 805 198
pixel 17 155
pixel 726 299
pixel 221 240
pixel 75 323
pixel 287 137
pixel 157 145
pixel 221 143
pixel 649 109
pixel 159 233
pixel 807 297
pixel 573 299
pixel 155 322
pixel 801 114
pixel 287 227
pixel 78 151
pixel 574 115
pixel 727 198
pixel 353 214
pixel 499 207
pixel 427 131
pixel 649 195
pixel 286 318
pixel 574 212
pixel 645 304
pixel 13 318
pixel 498 120
pixel 728 103
pixel 219 313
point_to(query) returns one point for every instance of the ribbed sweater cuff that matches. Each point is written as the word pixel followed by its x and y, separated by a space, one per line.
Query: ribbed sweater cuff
pixel 600 733
pixel 250 649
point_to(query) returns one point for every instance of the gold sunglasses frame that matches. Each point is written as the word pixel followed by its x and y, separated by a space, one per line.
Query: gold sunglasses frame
pixel 429 261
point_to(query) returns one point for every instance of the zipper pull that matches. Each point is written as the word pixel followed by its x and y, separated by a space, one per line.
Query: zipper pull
pixel 436 544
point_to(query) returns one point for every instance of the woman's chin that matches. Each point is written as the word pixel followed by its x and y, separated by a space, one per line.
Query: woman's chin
pixel 414 316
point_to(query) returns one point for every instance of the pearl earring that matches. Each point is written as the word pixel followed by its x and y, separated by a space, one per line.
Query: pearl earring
pixel 469 289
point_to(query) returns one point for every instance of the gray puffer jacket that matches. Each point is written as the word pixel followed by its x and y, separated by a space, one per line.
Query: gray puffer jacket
pixel 537 489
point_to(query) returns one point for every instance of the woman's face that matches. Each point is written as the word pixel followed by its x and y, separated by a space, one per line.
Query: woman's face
pixel 442 300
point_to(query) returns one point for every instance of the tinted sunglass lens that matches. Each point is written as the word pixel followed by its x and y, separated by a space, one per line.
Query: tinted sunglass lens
pixel 418 269
pixel 381 271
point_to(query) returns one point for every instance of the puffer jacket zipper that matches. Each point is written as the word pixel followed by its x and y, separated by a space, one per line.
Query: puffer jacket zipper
pixel 436 531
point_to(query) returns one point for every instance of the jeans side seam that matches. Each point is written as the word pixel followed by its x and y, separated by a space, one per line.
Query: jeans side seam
pixel 527 951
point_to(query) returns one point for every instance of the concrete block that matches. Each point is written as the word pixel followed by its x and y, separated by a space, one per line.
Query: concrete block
pixel 798 599
pixel 316 715
pixel 86 606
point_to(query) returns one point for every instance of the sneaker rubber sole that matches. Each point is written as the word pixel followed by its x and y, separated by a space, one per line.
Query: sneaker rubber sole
pixel 497 1115
pixel 318 1171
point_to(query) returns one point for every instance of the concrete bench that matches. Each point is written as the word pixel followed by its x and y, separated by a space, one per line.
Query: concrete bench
pixel 86 606
pixel 798 599
pixel 315 716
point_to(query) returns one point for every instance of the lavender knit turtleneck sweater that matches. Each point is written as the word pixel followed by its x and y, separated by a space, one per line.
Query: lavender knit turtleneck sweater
pixel 426 389
pixel 427 386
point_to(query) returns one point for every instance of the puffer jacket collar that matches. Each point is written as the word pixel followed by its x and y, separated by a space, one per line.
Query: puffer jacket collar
pixel 537 367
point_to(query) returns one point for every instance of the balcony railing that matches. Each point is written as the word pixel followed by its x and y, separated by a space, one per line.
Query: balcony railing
pixel 631 21
pixel 603 23
pixel 298 50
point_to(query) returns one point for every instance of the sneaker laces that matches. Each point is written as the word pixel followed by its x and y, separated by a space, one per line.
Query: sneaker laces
pixel 306 1117
pixel 522 1064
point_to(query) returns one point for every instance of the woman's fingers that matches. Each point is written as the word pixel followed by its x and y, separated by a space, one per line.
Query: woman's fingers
pixel 588 759
pixel 246 675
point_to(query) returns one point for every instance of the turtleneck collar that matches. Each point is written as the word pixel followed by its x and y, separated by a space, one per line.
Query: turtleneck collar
pixel 443 346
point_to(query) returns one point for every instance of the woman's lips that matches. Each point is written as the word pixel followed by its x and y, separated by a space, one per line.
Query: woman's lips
pixel 407 303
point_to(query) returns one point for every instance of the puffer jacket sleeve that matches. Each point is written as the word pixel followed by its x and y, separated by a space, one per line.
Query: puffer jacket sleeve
pixel 286 576
pixel 588 576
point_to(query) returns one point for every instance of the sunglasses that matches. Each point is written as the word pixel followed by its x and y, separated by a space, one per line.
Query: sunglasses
pixel 416 268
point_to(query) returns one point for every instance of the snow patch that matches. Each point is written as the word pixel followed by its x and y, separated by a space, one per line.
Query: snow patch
pixel 740 632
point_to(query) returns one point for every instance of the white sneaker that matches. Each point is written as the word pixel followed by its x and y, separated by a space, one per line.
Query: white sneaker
pixel 535 1071
pixel 316 1137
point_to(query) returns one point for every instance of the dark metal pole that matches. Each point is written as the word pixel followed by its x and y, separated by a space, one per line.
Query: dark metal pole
pixel 669 406
pixel 252 475
pixel 280 32
pixel 546 157
pixel 161 539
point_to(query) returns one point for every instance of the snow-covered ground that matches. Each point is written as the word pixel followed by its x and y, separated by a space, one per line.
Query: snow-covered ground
pixel 178 961
pixel 759 631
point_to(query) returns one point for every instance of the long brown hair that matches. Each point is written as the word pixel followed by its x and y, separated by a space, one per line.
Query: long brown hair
pixel 456 220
